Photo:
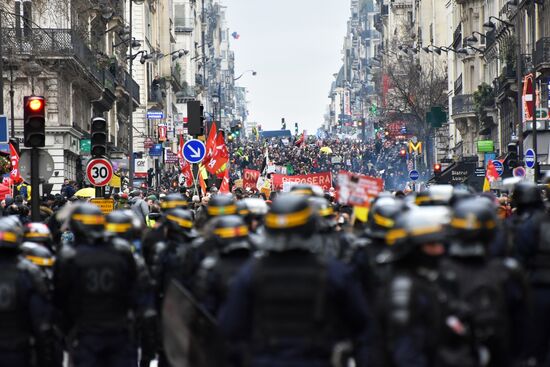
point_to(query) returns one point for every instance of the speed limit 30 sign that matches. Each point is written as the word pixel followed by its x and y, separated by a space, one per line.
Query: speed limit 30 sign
pixel 99 171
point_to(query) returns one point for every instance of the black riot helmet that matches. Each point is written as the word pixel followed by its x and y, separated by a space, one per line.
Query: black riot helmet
pixel 472 227
pixel 253 210
pixel 229 232
pixel 324 210
pixel 291 214
pixel 179 223
pixel 87 222
pixel 435 195
pixel 38 233
pixel 119 224
pixel 11 235
pixel 381 217
pixel 38 254
pixel 413 229
pixel 173 201
pixel 221 204
pixel 307 190
pixel 526 195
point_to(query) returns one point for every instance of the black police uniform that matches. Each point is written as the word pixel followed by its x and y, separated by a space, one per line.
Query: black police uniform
pixel 494 291
pixel 123 224
pixel 95 284
pixel 25 312
pixel 217 271
pixel 154 235
pixel 291 305
pixel 531 246
pixel 419 325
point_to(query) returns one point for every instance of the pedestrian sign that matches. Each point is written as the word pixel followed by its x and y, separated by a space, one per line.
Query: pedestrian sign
pixel 530 158
pixel 414 175
pixel 194 151
pixel 499 167
pixel 105 205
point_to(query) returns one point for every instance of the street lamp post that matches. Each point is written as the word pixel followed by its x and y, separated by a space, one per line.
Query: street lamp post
pixel 131 105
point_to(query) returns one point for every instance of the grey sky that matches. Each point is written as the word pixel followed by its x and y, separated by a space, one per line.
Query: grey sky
pixel 295 46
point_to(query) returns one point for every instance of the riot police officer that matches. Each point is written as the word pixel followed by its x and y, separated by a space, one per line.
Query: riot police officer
pixel 494 290
pixel 330 243
pixel 95 283
pixel 158 233
pixel 419 327
pixel 25 311
pixel 229 236
pixel 530 244
pixel 292 305
pixel 173 257
pixel 381 219
pixel 124 224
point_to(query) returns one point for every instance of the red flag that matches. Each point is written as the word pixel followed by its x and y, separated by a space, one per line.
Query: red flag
pixel 180 149
pixel 187 173
pixel 15 174
pixel 220 156
pixel 224 187
pixel 210 144
pixel 300 141
pixel 491 173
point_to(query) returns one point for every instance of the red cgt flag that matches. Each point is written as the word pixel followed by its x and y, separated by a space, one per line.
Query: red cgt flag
pixel 15 174
pixel 224 187
pixel 220 156
pixel 210 144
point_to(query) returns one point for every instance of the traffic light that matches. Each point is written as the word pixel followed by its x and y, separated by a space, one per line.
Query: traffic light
pixel 296 128
pixel 403 152
pixel 34 117
pixel 195 118
pixel 437 169
pixel 283 124
pixel 512 159
pixel 99 137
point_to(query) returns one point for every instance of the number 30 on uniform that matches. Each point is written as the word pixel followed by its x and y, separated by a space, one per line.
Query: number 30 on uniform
pixel 99 171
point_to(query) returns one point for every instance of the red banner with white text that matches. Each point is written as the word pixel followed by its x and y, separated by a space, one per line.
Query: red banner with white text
pixel 250 178
pixel 355 189
pixel 323 180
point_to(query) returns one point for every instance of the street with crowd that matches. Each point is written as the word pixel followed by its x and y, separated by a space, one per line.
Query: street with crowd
pixel 284 277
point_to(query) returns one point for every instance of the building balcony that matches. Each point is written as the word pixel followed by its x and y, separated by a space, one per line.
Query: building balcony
pixel 184 24
pixel 463 106
pixel 59 43
pixel 542 55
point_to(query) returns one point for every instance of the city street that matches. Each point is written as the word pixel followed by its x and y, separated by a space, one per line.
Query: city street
pixel 313 183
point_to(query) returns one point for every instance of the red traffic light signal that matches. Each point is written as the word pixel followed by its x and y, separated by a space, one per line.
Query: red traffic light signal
pixel 437 168
pixel 403 152
pixel 34 121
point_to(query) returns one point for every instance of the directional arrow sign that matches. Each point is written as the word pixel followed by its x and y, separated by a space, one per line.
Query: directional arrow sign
pixel 194 151
pixel 414 175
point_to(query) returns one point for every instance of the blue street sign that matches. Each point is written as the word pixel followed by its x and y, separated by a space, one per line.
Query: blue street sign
pixel 413 175
pixel 194 151
pixel 156 150
pixel 519 172
pixel 499 167
pixel 155 115
pixel 4 137
pixel 530 158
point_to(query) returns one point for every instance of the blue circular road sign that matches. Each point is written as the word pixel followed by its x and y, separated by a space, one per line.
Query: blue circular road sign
pixel 530 158
pixel 194 151
pixel 499 167
pixel 414 175
pixel 519 172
